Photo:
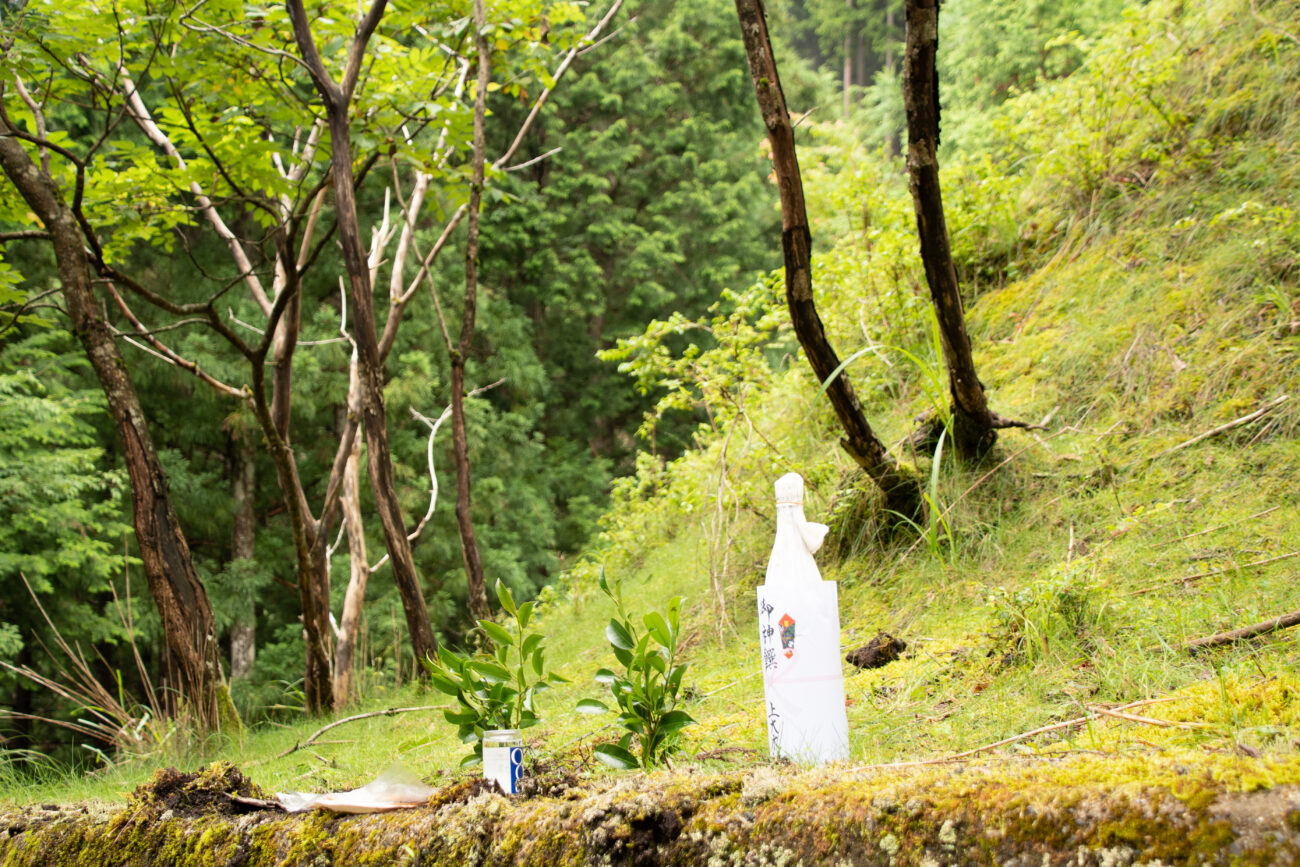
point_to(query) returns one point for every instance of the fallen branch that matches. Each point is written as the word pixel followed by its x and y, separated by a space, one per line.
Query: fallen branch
pixel 1285 621
pixel 1146 720
pixel 389 712
pixel 1238 422
pixel 724 753
pixel 1226 526
pixel 1210 574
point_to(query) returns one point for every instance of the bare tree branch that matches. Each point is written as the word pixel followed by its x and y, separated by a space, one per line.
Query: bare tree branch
pixel 433 475
pixel 24 235
pixel 522 132
pixel 143 119
pixel 39 117
pixel 365 30
pixel 537 159
pixel 167 354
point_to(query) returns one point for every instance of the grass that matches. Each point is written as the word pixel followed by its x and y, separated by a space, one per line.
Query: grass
pixel 1077 561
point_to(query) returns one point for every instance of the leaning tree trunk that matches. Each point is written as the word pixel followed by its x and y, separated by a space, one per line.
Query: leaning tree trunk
pixel 337 98
pixel 974 426
pixel 478 601
pixel 902 493
pixel 354 599
pixel 243 626
pixel 182 601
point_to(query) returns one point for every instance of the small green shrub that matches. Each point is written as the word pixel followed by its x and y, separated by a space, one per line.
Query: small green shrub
pixel 1051 615
pixel 647 691
pixel 495 690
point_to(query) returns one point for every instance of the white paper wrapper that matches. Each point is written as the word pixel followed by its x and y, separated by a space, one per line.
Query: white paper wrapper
pixel 395 789
pixel 799 637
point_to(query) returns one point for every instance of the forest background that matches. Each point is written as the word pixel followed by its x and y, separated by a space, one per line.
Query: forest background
pixel 635 233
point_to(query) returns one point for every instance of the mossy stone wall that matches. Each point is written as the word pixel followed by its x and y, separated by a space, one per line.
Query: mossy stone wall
pixel 1037 811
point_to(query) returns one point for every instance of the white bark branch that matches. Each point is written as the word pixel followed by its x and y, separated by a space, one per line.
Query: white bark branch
pixel 143 119
pixel 433 475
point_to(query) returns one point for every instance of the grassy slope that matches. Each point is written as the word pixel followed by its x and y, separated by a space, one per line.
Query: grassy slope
pixel 1135 227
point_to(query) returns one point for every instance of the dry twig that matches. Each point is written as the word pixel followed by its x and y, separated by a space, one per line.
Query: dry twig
pixel 389 712
pixel 1146 720
pixel 1070 723
pixel 1238 422
pixel 1141 591
pixel 1284 621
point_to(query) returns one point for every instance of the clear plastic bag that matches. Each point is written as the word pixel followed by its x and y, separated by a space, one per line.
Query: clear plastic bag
pixel 397 788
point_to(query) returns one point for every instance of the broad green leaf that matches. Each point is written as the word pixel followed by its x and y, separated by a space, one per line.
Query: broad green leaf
pixel 526 613
pixel 619 635
pixel 658 628
pixel 590 705
pixel 505 597
pixel 451 658
pixel 444 684
pixel 531 643
pixel 675 720
pixel 539 660
pixel 460 718
pixel 496 633
pixel 491 672
pixel 633 723
pixel 604 675
pixel 616 757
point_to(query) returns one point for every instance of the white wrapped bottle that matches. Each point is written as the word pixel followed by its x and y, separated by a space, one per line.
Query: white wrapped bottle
pixel 799 634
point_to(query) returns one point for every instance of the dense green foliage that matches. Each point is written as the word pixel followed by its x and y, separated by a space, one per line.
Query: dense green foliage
pixel 496 689
pixel 673 173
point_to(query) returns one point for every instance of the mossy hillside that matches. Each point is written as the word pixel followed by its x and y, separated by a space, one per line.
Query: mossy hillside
pixel 1082 809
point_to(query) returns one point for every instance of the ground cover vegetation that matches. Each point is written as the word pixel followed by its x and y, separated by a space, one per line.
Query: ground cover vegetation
pixel 1118 192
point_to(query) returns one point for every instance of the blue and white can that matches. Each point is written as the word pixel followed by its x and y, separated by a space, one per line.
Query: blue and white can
pixel 503 758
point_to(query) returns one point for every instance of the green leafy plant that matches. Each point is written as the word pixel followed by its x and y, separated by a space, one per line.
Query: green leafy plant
pixel 647 691
pixel 1054 616
pixel 496 689
pixel 936 531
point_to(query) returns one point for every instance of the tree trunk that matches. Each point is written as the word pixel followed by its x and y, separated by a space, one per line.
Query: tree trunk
pixel 860 60
pixel 478 601
pixel 177 590
pixel 243 628
pixel 891 141
pixel 848 68
pixel 309 552
pixel 902 492
pixel 973 426
pixel 374 416
pixel 353 601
